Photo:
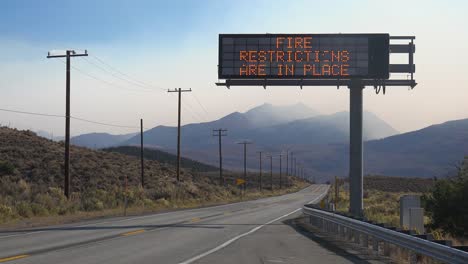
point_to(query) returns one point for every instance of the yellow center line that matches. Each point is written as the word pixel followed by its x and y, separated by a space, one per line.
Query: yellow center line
pixel 13 258
pixel 133 232
pixel 195 219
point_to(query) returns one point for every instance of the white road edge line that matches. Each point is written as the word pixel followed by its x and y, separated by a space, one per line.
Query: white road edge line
pixel 225 244
pixel 235 238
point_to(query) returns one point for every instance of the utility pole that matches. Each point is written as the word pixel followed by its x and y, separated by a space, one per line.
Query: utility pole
pixel 245 143
pixel 141 155
pixel 280 177
pixel 295 167
pixel 292 158
pixel 260 175
pixel 68 55
pixel 337 190
pixel 220 133
pixel 179 91
pixel 271 170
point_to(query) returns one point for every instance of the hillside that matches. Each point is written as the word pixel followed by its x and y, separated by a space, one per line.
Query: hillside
pixel 99 140
pixel 162 157
pixel 31 180
pixel 434 151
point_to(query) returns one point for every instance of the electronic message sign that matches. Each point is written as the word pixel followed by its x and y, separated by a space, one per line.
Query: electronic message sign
pixel 303 56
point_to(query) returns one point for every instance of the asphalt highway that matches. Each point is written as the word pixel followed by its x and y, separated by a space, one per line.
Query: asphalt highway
pixel 246 232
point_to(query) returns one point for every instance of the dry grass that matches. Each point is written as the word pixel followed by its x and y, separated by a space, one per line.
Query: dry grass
pixel 31 177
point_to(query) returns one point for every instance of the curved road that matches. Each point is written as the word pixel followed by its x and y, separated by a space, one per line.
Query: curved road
pixel 246 232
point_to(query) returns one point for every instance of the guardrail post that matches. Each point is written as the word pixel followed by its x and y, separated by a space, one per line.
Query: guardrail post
pixel 349 233
pixel 375 245
pixel 413 258
pixel 357 236
pixel 365 241
pixel 342 231
pixel 386 249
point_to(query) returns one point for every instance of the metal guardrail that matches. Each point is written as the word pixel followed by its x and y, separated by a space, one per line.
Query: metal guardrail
pixel 362 231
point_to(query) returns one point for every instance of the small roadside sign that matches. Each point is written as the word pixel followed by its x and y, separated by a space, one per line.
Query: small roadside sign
pixel 322 204
pixel 240 181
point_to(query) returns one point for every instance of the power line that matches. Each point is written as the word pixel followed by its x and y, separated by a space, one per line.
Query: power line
pixel 134 81
pixel 115 75
pixel 61 116
pixel 201 105
pixel 100 123
pixel 29 113
pixel 193 113
pixel 187 105
pixel 124 74
pixel 145 85
pixel 104 81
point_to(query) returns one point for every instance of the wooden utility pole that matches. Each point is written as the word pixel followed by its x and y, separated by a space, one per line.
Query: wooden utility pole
pixel 260 175
pixel 280 177
pixel 179 91
pixel 141 155
pixel 292 165
pixel 220 133
pixel 245 143
pixel 337 190
pixel 67 55
pixel 295 167
pixel 271 171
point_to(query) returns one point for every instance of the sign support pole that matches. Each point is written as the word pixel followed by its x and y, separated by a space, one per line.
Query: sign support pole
pixel 356 148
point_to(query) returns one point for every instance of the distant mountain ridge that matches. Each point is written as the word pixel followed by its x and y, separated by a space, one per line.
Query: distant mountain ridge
pixel 433 151
pixel 268 114
pixel 100 140
pixel 319 141
pixel 269 125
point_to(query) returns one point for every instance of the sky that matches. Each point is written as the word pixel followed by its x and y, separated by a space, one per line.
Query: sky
pixel 163 45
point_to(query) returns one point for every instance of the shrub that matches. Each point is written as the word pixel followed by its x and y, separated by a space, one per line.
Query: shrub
pixel 24 209
pixel 447 203
pixel 5 212
pixel 39 210
pixel 6 168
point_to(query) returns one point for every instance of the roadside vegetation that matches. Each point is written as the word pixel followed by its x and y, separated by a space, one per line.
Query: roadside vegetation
pixel 31 180
pixel 382 195
pixel 445 202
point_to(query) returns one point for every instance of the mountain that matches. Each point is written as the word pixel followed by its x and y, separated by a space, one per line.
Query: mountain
pixel 268 115
pixel 100 140
pixel 434 151
pixel 269 125
pixel 332 128
pixel 239 125
pixel 162 157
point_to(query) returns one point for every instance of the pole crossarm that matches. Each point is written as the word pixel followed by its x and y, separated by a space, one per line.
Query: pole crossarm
pixel 71 53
